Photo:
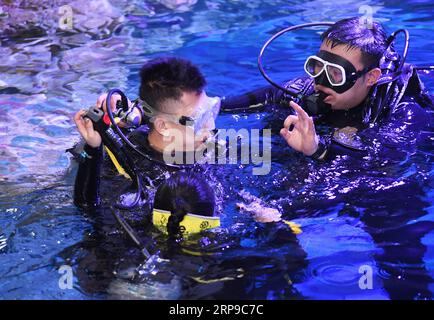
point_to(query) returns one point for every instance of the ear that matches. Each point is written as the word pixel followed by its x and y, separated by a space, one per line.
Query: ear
pixel 372 76
pixel 160 126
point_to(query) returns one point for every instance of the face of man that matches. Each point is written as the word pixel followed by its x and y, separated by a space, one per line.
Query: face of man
pixel 188 122
pixel 358 92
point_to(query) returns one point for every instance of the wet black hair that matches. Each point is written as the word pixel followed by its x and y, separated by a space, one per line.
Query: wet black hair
pixel 371 40
pixel 184 193
pixel 167 78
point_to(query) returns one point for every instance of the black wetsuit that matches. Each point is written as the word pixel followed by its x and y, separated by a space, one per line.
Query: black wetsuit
pixel 407 119
pixel 395 136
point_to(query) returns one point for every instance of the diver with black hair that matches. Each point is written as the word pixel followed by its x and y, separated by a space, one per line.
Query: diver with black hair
pixel 355 81
pixel 360 99
pixel 172 103
pixel 184 204
pixel 184 207
pixel 196 258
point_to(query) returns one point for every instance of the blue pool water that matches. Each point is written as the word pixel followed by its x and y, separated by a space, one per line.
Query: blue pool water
pixel 372 214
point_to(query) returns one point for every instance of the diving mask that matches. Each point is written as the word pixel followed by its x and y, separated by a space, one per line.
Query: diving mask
pixel 208 110
pixel 333 71
pixel 190 224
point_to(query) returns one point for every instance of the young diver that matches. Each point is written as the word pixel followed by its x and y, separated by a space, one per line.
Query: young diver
pixel 346 86
pixel 389 112
pixel 184 204
pixel 174 103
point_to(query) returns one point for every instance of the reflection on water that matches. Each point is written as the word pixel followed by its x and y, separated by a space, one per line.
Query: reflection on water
pixel 377 212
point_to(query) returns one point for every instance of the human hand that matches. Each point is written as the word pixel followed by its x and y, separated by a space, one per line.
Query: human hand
pixel 260 213
pixel 86 130
pixel 302 137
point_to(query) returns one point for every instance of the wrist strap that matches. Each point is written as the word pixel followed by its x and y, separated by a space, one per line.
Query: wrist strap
pixel 321 151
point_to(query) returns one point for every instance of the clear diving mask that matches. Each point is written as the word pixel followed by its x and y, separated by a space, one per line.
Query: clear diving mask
pixel 207 110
